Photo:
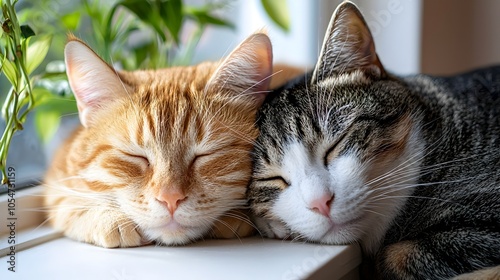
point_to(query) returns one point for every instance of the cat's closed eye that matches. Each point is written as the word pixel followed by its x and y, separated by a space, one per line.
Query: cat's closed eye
pixel 201 158
pixel 276 181
pixel 143 160
pixel 333 151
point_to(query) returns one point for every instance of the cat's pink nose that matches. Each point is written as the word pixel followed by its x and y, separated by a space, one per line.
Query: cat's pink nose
pixel 322 205
pixel 171 199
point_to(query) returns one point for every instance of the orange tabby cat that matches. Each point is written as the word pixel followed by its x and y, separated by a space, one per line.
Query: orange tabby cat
pixel 161 155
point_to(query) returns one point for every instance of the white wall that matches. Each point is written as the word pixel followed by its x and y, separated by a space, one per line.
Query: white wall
pixel 297 47
pixel 396 28
pixel 395 25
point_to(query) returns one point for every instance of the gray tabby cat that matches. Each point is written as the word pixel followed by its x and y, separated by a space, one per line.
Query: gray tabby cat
pixel 409 168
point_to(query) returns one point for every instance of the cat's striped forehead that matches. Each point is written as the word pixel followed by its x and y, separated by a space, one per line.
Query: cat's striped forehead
pixel 315 114
pixel 155 136
pixel 171 112
pixel 170 117
pixel 303 114
pixel 173 103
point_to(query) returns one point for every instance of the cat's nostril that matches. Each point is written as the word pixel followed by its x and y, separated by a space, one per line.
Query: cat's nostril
pixel 322 205
pixel 171 199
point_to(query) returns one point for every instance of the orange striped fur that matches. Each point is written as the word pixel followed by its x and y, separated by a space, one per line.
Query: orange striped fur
pixel 162 155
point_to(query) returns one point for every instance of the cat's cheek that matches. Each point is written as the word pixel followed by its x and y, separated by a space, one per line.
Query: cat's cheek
pixel 298 218
pixel 340 227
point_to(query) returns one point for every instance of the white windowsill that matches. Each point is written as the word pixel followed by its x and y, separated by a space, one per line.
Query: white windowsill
pixel 42 253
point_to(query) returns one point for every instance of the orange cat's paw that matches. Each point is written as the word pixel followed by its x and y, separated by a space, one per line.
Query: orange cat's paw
pixel 109 229
pixel 121 234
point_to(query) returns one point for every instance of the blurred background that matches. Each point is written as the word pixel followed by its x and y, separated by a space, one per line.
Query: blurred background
pixel 411 36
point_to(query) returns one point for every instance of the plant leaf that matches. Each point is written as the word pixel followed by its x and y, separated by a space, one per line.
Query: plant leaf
pixel 171 15
pixel 26 31
pixel 9 70
pixel 146 13
pixel 278 12
pixel 46 124
pixel 72 20
pixel 141 53
pixel 36 52
pixel 48 112
pixel 41 96
pixel 204 18
pixel 142 9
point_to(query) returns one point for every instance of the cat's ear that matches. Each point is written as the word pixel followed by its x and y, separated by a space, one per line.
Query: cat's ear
pixel 348 46
pixel 94 83
pixel 246 72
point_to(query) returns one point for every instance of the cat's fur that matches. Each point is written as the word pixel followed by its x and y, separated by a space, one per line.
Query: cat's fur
pixel 162 155
pixel 407 167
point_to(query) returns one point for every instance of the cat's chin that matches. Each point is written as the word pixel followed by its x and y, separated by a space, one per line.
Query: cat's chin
pixel 173 226
pixel 174 233
pixel 341 233
pixel 361 230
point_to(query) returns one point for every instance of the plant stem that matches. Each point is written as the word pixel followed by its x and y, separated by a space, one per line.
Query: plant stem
pixel 20 95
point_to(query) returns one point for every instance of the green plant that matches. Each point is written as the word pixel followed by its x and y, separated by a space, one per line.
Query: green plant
pixel 278 12
pixel 19 57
